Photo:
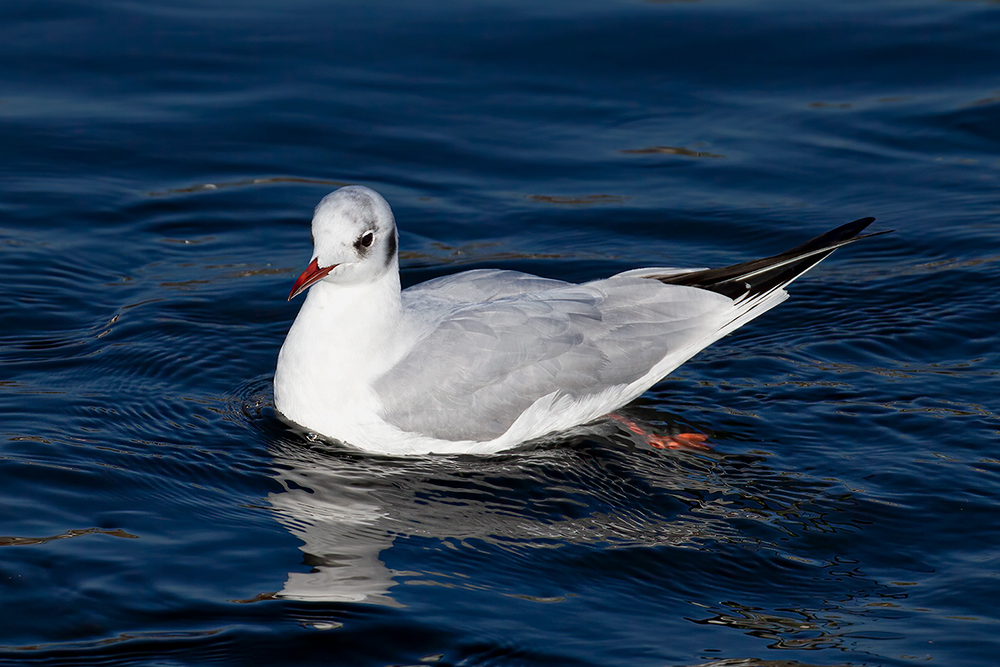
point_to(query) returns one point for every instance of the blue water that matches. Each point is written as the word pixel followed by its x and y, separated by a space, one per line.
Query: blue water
pixel 159 162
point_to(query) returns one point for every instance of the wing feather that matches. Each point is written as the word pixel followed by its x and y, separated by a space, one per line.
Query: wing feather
pixel 496 344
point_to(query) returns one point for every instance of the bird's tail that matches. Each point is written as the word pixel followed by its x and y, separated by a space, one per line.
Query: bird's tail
pixel 758 285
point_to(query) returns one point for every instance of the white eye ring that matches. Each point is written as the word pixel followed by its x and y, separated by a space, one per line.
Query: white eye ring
pixel 365 240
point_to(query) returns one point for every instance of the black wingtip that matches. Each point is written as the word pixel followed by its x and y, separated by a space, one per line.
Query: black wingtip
pixel 834 236
pixel 764 275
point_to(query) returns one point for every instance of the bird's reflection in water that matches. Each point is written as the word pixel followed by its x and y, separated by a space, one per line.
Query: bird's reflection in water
pixel 348 508
pixel 332 506
pixel 604 486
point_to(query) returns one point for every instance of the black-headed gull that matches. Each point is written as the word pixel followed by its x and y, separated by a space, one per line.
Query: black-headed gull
pixel 483 360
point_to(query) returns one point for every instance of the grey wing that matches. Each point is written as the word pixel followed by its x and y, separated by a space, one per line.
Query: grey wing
pixel 481 285
pixel 480 365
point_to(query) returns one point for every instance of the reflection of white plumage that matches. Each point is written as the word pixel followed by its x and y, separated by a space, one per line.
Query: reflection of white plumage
pixel 483 360
pixel 335 511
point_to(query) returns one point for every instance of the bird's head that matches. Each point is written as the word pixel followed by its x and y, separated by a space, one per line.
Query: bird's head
pixel 354 239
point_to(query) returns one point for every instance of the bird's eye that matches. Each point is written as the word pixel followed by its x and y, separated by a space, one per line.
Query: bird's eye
pixel 365 240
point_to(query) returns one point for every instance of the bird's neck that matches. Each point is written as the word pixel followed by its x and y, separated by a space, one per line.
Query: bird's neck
pixel 341 340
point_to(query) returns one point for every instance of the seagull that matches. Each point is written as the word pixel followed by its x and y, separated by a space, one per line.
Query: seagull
pixel 484 360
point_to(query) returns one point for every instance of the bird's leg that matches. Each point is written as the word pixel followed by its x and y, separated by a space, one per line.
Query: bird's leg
pixel 678 441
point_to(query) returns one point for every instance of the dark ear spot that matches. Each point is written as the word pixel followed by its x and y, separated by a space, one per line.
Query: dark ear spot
pixel 391 246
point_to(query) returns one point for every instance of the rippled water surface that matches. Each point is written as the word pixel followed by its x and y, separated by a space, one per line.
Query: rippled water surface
pixel 160 162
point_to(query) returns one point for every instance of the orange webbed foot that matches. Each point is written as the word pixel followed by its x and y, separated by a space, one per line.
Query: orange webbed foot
pixel 694 441
pixel 679 441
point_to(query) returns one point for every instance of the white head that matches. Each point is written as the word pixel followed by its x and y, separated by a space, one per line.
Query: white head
pixel 354 239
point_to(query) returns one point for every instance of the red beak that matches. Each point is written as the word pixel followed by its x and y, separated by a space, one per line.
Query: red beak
pixel 311 275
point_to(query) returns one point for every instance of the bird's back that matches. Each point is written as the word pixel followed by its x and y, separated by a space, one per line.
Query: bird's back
pixel 489 344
